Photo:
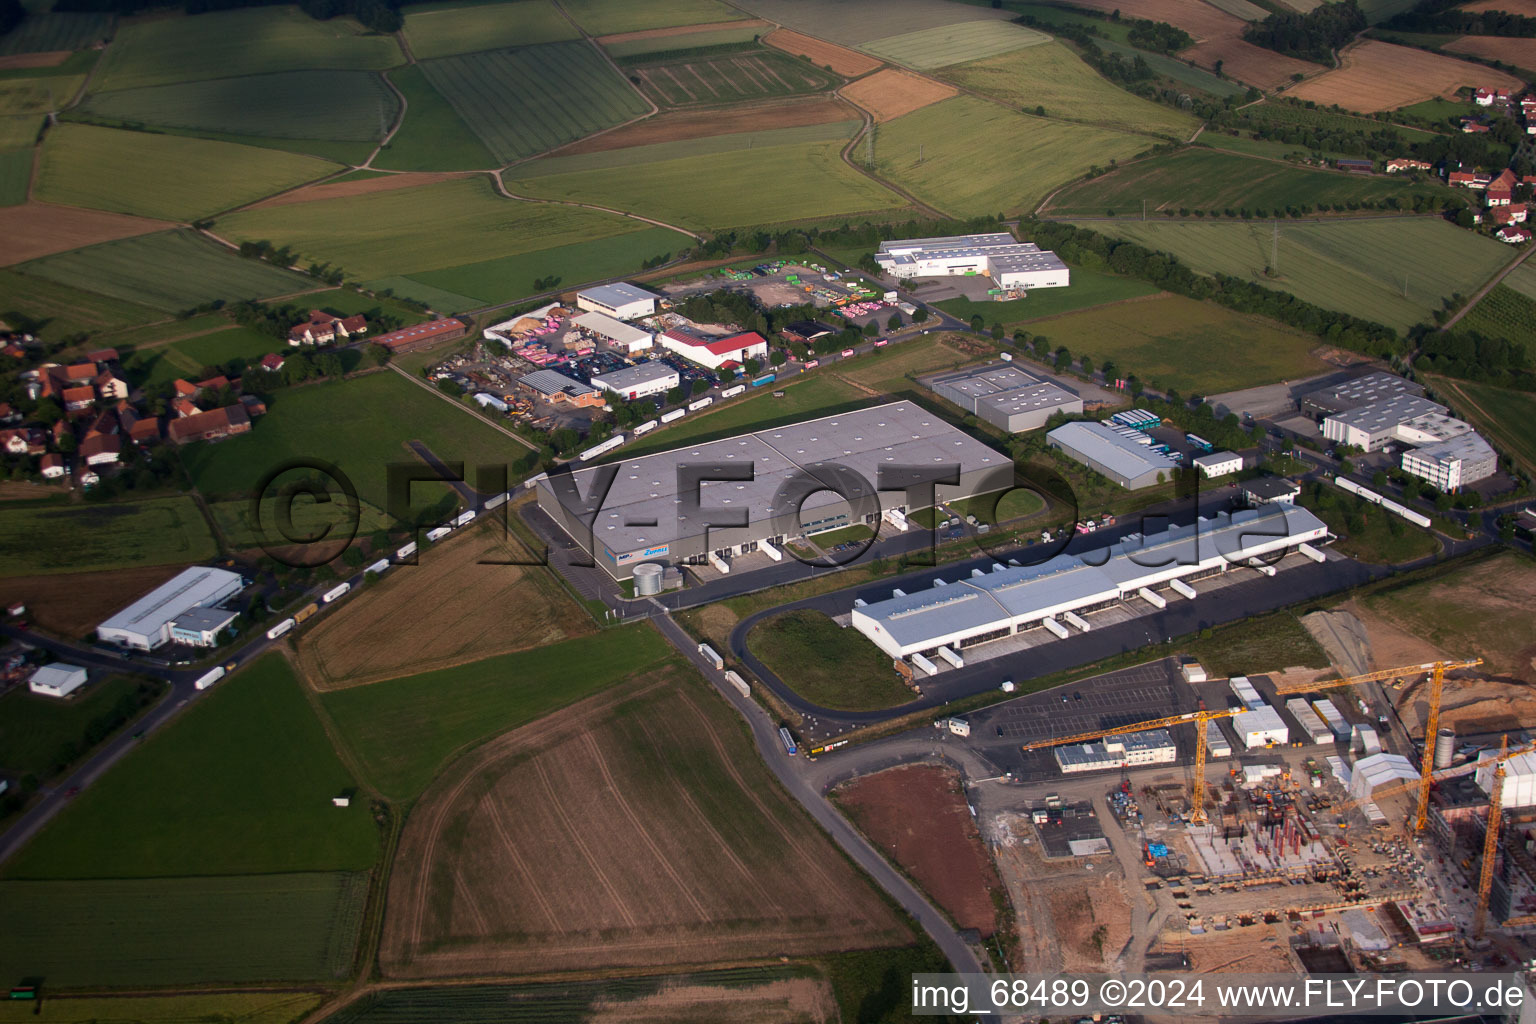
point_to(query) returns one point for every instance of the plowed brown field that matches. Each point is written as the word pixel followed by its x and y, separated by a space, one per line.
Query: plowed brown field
pixel 1381 76
pixel 42 229
pixel 1525 7
pixel 681 30
pixel 34 60
pixel 361 187
pixel 1196 17
pixel 1519 52
pixel 458 605
pixel 698 124
pixel 1248 63
pixel 917 816
pixel 636 828
pixel 891 93
pixel 71 604
pixel 823 54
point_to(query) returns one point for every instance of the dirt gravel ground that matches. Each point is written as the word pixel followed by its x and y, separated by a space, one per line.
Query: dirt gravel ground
pixel 848 63
pixel 891 93
pixel 34 60
pixel 71 604
pixel 1256 949
pixel 32 230
pixel 1382 76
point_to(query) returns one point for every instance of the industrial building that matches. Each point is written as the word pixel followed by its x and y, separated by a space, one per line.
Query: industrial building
pixel 1214 464
pixel 879 458
pixel 1270 490
pixel 200 627
pixel 1013 599
pixel 1260 727
pixel 1372 427
pixel 1012 264
pixel 639 381
pixel 1377 386
pixel 1127 751
pixel 1005 396
pixel 553 386
pixel 1450 465
pixel 1443 450
pixel 1312 727
pixel 146 624
pixel 622 301
pixel 57 680
pixel 1378 770
pixel 620 335
pixel 1519 779
pixel 1111 454
pixel 713 351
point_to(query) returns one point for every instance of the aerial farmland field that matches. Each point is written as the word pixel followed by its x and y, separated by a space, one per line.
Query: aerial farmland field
pixel 729 78
pixel 1508 417
pixel 16 132
pixel 1214 182
pixel 43 736
pixel 66 309
pixel 928 153
pixel 687 148
pixel 37 95
pixel 610 17
pixel 523 102
pixel 15 176
pixel 433 136
pixel 170 271
pixel 51 32
pixel 848 63
pixel 952 44
pixel 631 46
pixel 36 229
pixel 186 356
pixel 1380 76
pixel 163 176
pixel 250 41
pixel 244 1007
pixel 855 22
pixel 1319 262
pixel 444 29
pixel 682 850
pixel 44 539
pixel 761 121
pixel 358 107
pixel 893 93
pixel 1053 77
pixel 1504 313
pixel 755 186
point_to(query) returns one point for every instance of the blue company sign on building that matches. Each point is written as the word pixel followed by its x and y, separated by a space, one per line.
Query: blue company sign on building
pixel 631 556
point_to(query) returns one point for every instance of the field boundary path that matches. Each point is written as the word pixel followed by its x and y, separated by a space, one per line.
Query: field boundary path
pixel 1485 289
pixel 429 388
pixel 846 154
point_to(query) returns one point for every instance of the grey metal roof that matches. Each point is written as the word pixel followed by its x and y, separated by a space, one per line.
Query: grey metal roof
pixel 1000 250
pixel 606 326
pixel 633 376
pixel 1214 459
pixel 553 382
pixel 1108 448
pixel 1464 448
pixel 197 585
pixel 1364 390
pixel 1005 388
pixel 615 295
pixel 1271 487
pixel 1388 413
pixel 203 619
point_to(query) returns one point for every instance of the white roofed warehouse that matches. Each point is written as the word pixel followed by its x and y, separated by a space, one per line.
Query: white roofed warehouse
pixel 622 301
pixel 1013 264
pixel 1008 601
pixel 146 624
pixel 57 680
pixel 1005 396
pixel 1112 453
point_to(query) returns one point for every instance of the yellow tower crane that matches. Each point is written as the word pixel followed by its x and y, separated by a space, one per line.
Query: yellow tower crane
pixel 1197 810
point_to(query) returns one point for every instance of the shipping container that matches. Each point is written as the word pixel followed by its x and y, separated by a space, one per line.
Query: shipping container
pixel 733 392
pixel 336 592
pixel 438 533
pixel 813 364
pixel 407 551
pixel 673 416
pixel 847 352
pixel 210 678
pixel 378 567
pixel 607 446
pixel 305 612
pixel 279 629
pixel 711 656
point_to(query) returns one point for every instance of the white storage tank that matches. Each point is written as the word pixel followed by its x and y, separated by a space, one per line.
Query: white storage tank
pixel 1445 747
pixel 647 579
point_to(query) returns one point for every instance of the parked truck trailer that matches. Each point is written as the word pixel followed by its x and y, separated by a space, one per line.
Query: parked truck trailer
pixel 279 629
pixel 211 677
pixel 305 612
pixel 336 592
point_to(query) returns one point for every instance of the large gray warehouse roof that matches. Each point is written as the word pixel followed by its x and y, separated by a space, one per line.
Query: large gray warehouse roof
pixel 551 382
pixel 633 376
pixel 192 587
pixel 1107 447
pixel 615 295
pixel 1388 413
pixel 1004 388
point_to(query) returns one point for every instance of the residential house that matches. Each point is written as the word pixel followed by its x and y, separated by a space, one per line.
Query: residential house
pixel 183 408
pixel 272 362
pixel 1467 179
pixel 322 328
pixel 1513 235
pixel 1472 126
pixel 52 466
pixel 183 388
pixel 253 405
pixel 24 441
pixel 1483 97
pixel 1513 214
pixel 1406 164
pixel 210 426
pixel 99 449
pixel 78 399
pixel 1501 190
pixel 102 355
pixel 145 430
pixel 110 386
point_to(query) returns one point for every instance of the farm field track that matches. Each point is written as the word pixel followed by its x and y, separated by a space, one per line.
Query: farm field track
pixel 729 78
pixel 1172 341
pixel 746 995
pixel 66 310
pixel 37 95
pixel 1505 415
pixel 892 93
pixel 754 186
pixel 679 125
pixel 237 1007
pixel 250 41
pixel 424 228
pixel 855 22
pixel 358 106
pixel 433 137
pixel 749 25
pixel 686 149
pixel 72 603
pixel 452 608
pixel 1214 181
pixel 360 187
pixel 172 931
pixel 1319 262
pixel 1380 76
pixel 1052 76
pixel 20 61
pixel 32 230
pixel 918 817
pixel 115 535
pixel 51 32
pixel 1522 7
pixel 169 271
pixel 682 849
pixel 522 102
pixel 167 177
pixel 846 62
pixel 927 153
pixel 613 17
pixel 1511 50
pixel 1245 62
pixel 953 44
pixel 441 30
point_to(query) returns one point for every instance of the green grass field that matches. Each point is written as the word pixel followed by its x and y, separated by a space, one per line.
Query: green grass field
pixel 15 176
pixel 358 106
pixel 1505 416
pixel 730 78
pixel 360 425
pixel 1369 533
pixel 241 531
pixel 37 95
pixel 1202 179
pixel 48 32
pixel 1052 76
pixel 523 102
pixel 438 299
pixel 67 310
pixel 186 357
pixel 169 271
pixel 240 783
pixel 17 132
pixel 744 187
pixel 1330 120
pixel 168 177
pixel 236 1007
pixel 933 153
pixel 1089 288
pixel 441 30
pixel 433 137
pixel 932 48
pixel 406 231
pixel 1321 262
pixel 610 17
pixel 43 735
pixel 512 276
pixel 1267 643
pixel 112 535
pixel 686 149
pixel 181 931
pixel 1176 342
pixel 1504 313
pixel 1523 280
pixel 639 48
pixel 404 731
pixel 1174 69
pixel 226 44
pixel 818 660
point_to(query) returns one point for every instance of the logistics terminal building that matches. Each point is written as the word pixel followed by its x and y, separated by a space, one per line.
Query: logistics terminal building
pixel 993 605
pixel 662 508
pixel 147 623
pixel 1006 260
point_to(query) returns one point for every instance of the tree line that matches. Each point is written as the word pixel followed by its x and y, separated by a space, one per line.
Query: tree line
pixel 1444 17
pixel 375 15
pixel 1313 36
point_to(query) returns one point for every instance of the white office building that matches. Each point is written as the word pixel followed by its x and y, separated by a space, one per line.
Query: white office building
pixel 1450 465
pixel 200 627
pixel 1214 464
pixel 1130 750
pixel 146 624
pixel 1012 264
pixel 622 301
pixel 639 381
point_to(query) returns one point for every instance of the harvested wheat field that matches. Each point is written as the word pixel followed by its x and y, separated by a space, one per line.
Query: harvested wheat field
pixel 635 828
pixel 1381 76
pixel 1248 63
pixel 33 230
pixel 360 187
pixel 917 816
pixel 1198 18
pixel 823 54
pixel 682 30
pixel 891 93
pixel 699 124
pixel 71 604
pixel 1511 50
pixel 457 606
pixel 1522 7
pixel 34 60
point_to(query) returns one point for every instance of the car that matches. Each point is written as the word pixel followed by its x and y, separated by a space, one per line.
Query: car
pixel 71 791
pixel 1077 696
pixel 230 666
pixel 847 352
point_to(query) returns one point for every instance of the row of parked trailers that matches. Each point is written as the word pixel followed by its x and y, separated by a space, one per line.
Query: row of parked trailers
pixel 1418 519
